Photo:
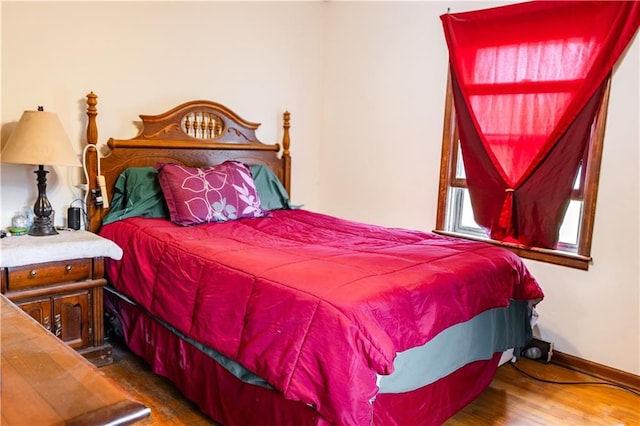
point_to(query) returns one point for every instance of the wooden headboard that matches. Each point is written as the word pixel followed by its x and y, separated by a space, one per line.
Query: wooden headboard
pixel 197 133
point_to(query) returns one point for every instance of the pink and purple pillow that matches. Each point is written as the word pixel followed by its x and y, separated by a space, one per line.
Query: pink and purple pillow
pixel 219 193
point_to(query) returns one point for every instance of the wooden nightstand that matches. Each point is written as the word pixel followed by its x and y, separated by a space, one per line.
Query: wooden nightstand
pixel 58 281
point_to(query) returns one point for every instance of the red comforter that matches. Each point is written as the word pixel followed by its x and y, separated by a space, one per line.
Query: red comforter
pixel 313 304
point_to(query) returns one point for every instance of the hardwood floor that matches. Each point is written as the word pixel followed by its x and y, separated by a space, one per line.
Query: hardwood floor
pixel 515 399
pixel 511 399
pixel 168 406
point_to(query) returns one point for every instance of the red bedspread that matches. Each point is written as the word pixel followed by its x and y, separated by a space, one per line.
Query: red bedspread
pixel 313 304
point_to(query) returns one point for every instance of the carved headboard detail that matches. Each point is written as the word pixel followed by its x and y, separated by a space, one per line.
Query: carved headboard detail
pixel 199 120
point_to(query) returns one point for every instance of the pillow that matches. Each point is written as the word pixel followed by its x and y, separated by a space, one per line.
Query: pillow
pixel 211 194
pixel 272 194
pixel 137 192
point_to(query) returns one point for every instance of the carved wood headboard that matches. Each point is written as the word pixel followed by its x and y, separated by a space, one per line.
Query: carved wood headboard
pixel 197 133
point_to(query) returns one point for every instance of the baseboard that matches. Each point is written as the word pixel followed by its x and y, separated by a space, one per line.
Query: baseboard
pixel 608 374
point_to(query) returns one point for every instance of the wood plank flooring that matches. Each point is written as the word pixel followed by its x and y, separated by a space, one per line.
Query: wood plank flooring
pixel 511 399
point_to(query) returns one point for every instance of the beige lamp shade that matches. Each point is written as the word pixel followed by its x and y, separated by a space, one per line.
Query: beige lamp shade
pixel 39 139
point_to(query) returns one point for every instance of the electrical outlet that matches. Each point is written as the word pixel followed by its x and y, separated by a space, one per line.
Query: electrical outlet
pixel 539 350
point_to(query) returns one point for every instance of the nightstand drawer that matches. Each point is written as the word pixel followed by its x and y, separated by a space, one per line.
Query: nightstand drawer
pixel 21 277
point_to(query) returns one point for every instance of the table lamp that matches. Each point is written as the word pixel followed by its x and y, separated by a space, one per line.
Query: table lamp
pixel 39 139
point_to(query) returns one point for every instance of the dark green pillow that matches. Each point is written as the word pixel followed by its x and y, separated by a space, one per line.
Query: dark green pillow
pixel 272 194
pixel 137 192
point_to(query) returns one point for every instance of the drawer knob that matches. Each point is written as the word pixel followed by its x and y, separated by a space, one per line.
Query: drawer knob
pixel 33 273
pixel 67 268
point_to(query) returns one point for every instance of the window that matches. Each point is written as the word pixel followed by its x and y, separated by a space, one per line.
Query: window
pixel 455 212
pixel 525 114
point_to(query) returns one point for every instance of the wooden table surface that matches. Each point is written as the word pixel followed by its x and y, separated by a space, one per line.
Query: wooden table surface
pixel 44 382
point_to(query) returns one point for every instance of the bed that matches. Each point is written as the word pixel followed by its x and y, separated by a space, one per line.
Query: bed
pixel 264 313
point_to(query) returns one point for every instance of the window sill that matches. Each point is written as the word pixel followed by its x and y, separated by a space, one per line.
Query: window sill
pixel 556 257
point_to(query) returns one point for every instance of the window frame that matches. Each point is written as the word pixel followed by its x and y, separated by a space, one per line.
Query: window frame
pixel 590 175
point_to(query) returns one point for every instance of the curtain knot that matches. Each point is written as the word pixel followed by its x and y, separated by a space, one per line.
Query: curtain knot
pixel 509 190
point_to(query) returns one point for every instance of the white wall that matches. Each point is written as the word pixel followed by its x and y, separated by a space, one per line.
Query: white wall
pixel 385 88
pixel 365 84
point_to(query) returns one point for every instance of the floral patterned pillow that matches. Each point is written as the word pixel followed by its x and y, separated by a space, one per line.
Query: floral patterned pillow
pixel 211 194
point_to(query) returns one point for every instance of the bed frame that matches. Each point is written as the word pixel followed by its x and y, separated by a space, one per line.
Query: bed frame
pixel 197 133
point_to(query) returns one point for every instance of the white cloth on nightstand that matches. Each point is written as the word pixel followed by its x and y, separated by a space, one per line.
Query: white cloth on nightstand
pixel 27 249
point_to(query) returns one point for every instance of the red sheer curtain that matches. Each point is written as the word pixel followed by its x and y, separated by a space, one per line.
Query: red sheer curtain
pixel 527 82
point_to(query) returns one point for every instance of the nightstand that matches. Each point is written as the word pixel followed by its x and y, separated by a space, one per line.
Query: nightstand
pixel 58 280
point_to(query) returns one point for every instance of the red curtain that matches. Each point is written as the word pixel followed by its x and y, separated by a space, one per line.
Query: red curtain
pixel 527 82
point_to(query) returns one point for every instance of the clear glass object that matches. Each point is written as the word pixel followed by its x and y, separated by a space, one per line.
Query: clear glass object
pixel 19 224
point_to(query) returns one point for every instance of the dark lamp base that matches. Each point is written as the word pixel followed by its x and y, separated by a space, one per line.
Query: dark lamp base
pixel 41 227
pixel 42 223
